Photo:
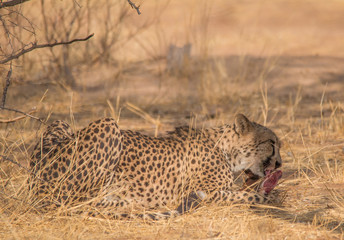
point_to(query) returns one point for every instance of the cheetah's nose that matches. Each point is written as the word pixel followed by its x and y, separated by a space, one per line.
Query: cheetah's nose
pixel 278 165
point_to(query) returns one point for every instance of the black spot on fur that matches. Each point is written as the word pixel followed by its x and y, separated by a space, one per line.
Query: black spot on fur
pixel 55 174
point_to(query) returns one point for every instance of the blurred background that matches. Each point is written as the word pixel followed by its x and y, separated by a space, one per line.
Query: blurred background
pixel 177 58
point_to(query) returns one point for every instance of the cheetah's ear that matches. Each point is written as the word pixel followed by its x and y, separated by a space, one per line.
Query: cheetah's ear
pixel 242 124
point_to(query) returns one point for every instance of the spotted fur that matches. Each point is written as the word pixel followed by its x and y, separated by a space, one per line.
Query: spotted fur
pixel 132 171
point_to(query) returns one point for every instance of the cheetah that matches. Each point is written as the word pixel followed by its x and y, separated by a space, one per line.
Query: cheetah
pixel 118 171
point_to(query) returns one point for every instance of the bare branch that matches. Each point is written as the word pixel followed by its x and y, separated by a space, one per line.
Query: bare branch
pixel 77 3
pixel 134 6
pixel 36 46
pixel 24 113
pixel 4 158
pixel 8 82
pixel 16 118
pixel 11 3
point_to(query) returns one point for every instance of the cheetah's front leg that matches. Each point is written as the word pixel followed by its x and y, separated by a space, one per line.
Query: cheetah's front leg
pixel 123 209
pixel 230 197
pixel 261 196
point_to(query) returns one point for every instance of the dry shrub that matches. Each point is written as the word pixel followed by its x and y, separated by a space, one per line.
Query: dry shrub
pixel 52 21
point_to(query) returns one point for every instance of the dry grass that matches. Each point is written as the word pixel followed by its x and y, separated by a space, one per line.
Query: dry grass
pixel 258 65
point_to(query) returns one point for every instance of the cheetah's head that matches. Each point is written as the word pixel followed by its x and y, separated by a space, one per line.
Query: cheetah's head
pixel 257 149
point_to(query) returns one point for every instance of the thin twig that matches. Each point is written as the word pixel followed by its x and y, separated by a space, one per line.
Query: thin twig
pixel 77 3
pixel 4 158
pixel 24 113
pixel 16 118
pixel 36 46
pixel 134 6
pixel 11 3
pixel 8 82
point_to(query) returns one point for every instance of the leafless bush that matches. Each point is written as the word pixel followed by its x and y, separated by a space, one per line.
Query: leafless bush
pixel 108 19
pixel 58 23
pixel 17 31
pixel 54 21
